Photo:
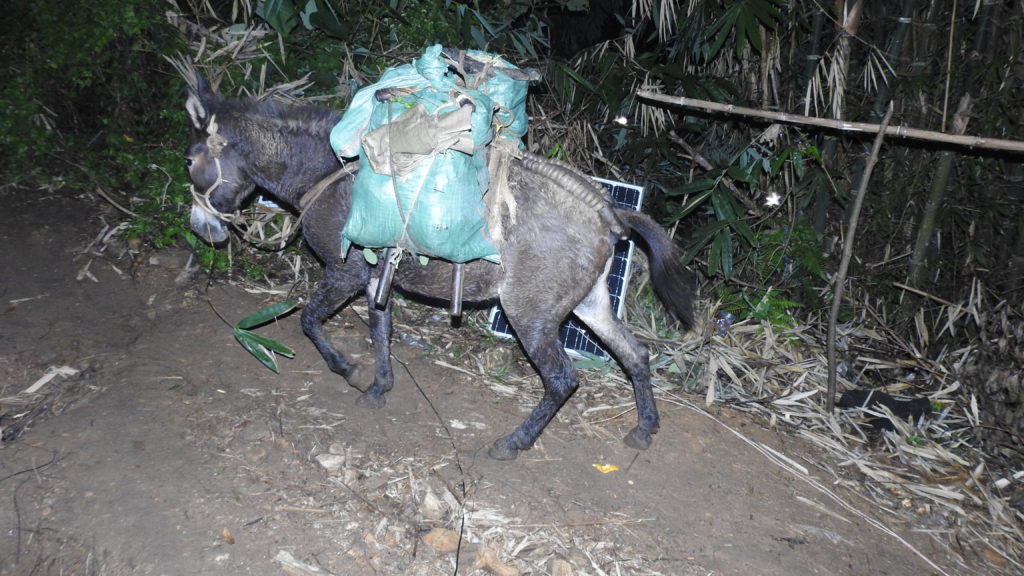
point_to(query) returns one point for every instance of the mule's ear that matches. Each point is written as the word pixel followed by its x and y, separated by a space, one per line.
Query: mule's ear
pixel 203 88
pixel 195 106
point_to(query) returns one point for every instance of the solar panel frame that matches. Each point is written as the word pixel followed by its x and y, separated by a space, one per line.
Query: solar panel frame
pixel 577 338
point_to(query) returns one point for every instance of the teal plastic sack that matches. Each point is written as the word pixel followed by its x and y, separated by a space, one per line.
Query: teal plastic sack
pixel 432 203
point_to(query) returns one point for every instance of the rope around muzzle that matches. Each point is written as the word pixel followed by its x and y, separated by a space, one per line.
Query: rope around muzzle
pixel 253 223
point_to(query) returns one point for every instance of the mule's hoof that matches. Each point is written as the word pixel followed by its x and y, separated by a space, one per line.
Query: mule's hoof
pixel 502 449
pixel 360 378
pixel 638 439
pixel 371 400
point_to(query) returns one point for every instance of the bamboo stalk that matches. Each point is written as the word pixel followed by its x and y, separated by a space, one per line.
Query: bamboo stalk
pixel 929 217
pixel 840 277
pixel 895 51
pixel 842 125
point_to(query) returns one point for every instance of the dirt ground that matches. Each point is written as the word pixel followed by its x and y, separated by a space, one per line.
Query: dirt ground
pixel 172 451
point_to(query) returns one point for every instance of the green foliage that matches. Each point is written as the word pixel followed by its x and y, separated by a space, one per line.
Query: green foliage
pixel 741 21
pixel 211 259
pixel 88 94
pixel 261 347
pixel 783 271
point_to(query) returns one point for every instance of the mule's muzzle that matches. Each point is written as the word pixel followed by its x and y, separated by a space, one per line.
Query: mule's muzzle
pixel 208 227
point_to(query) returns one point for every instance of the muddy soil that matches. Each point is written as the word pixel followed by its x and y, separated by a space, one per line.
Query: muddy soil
pixel 172 451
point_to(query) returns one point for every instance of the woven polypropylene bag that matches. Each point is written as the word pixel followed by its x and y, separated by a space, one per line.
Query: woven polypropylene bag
pixel 437 208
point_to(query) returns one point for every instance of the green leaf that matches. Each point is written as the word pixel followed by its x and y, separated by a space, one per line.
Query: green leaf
pixel 720 29
pixel 264 315
pixel 703 236
pixel 281 15
pixel 692 187
pixel 478 37
pixel 591 362
pixel 741 175
pixel 725 209
pixel 485 23
pixel 779 161
pixel 721 250
pixel 754 32
pixel 744 230
pixel 265 342
pixel 576 77
pixel 322 16
pixel 798 164
pixel 813 152
pixel 690 206
pixel 715 256
pixel 765 12
pixel 256 349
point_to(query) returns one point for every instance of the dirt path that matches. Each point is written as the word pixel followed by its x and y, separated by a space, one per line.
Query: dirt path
pixel 173 452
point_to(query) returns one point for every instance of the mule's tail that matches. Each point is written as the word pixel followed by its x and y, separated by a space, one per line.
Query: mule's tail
pixel 673 283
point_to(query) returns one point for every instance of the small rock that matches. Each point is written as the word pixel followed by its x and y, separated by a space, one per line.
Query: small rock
pixel 432 508
pixel 255 454
pixel 442 539
pixel 560 567
pixel 489 561
pixel 331 462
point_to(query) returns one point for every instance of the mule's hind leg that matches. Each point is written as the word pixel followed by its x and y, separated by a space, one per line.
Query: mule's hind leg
pixel 340 283
pixel 596 312
pixel 556 371
pixel 380 334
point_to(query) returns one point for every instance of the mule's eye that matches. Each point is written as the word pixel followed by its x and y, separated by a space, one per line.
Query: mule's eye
pixel 188 162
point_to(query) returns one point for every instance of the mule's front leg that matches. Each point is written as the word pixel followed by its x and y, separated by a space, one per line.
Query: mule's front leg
pixel 339 284
pixel 380 334
pixel 559 377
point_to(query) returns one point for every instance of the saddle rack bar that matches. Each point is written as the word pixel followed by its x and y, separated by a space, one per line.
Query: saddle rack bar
pixel 387 275
pixel 392 256
pixel 456 307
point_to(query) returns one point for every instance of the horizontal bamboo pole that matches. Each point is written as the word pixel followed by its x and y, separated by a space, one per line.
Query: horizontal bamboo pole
pixel 895 131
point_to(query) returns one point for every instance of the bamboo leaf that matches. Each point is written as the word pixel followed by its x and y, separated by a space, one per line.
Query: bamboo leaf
pixel 765 12
pixel 281 15
pixel 779 161
pixel 576 77
pixel 721 253
pixel 690 206
pixel 744 230
pixel 715 256
pixel 725 210
pixel 726 252
pixel 266 342
pixel 264 315
pixel 478 37
pixel 704 235
pixel 721 29
pixel 798 164
pixel 694 187
pixel 751 33
pixel 737 173
pixel 256 349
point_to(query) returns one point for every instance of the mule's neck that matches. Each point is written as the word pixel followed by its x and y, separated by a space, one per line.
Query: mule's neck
pixel 289 163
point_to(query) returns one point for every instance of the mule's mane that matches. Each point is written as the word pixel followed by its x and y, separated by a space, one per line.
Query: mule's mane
pixel 303 118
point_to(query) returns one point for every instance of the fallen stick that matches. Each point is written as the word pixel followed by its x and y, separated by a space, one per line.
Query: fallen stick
pixel 787 118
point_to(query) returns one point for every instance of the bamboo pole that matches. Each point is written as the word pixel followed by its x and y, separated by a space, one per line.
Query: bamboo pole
pixel 842 125
pixel 930 215
pixel 840 278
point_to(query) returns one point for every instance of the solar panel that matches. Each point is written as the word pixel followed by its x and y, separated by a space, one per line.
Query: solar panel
pixel 574 335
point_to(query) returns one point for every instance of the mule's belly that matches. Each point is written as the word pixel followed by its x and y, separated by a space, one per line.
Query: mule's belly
pixel 481 280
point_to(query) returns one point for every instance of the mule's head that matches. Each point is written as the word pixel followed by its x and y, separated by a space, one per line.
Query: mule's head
pixel 215 165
